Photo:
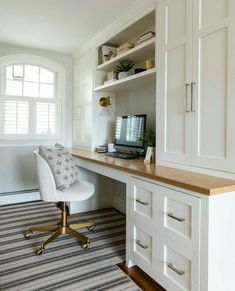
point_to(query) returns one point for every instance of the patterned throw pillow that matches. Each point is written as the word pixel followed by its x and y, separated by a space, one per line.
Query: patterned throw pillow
pixel 62 165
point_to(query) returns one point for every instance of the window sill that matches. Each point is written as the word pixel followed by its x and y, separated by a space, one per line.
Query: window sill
pixel 30 143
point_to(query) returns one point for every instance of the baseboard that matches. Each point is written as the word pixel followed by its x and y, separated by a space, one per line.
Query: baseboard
pixel 19 197
pixel 119 204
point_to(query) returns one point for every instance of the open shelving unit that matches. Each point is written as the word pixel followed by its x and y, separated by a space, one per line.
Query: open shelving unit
pixel 129 82
pixel 137 54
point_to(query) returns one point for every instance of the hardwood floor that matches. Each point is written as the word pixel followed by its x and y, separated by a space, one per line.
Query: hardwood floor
pixel 140 278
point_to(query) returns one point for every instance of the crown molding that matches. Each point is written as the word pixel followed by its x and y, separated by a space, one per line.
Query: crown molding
pixel 133 13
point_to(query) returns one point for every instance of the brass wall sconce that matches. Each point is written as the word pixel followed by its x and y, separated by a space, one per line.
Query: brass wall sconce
pixel 107 109
pixel 105 101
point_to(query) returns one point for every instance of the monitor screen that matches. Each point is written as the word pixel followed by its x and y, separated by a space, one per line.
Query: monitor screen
pixel 128 130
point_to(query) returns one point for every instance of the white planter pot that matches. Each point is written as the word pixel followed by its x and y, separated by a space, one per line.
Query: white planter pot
pixel 125 74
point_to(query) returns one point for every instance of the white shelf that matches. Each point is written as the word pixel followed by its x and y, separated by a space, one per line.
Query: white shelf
pixel 129 82
pixel 139 53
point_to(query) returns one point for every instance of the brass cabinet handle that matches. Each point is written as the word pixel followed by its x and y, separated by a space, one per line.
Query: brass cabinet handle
pixel 171 215
pixel 192 97
pixel 179 272
pixel 188 100
pixel 141 202
pixel 141 245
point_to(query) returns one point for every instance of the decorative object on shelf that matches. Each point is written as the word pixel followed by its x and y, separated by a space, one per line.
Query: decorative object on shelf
pixel 124 47
pixel 107 52
pixel 139 70
pixel 145 36
pixel 149 139
pixel 124 69
pixel 107 109
pixel 150 64
pixel 111 76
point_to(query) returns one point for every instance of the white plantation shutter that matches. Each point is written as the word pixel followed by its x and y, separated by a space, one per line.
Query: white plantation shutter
pixel 16 116
pixel 30 107
pixel 46 118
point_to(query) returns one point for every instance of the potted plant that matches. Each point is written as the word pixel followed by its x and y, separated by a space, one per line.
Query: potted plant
pixel 124 69
pixel 149 140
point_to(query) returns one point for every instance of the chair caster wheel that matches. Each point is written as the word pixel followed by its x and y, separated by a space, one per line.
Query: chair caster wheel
pixel 39 250
pixel 91 228
pixel 85 244
pixel 28 234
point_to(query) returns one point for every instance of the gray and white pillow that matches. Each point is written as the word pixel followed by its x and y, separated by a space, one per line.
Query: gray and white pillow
pixel 62 165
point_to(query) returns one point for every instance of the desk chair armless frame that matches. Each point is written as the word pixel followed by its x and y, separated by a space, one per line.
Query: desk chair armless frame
pixel 79 191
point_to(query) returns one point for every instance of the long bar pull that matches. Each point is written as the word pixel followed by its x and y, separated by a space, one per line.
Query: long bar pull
pixel 192 97
pixel 179 272
pixel 142 202
pixel 141 245
pixel 188 98
pixel 171 215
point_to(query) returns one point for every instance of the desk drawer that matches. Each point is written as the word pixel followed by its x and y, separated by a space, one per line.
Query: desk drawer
pixel 143 201
pixel 178 267
pixel 179 217
pixel 142 248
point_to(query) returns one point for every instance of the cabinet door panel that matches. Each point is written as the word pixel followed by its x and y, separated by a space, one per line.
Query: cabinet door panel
pixel 176 43
pixel 213 92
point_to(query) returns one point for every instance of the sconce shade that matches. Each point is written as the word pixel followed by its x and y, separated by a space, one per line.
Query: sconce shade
pixel 104 101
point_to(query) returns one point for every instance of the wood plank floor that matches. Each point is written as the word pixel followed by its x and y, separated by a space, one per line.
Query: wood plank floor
pixel 140 278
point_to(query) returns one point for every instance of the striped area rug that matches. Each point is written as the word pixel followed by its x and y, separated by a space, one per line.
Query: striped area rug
pixel 64 265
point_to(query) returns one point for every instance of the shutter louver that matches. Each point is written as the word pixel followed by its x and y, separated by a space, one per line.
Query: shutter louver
pixel 46 120
pixel 16 116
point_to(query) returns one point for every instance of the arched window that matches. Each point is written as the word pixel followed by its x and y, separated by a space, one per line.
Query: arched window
pixel 32 98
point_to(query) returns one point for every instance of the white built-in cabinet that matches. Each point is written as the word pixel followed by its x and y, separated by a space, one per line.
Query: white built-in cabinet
pixel 182 239
pixel 196 83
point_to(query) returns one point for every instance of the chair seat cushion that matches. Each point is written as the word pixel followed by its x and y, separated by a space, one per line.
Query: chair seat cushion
pixel 79 191
pixel 62 165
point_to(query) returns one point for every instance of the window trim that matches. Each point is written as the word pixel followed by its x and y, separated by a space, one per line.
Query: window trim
pixel 60 75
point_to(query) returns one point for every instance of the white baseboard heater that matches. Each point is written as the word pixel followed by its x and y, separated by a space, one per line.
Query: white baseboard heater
pixel 19 197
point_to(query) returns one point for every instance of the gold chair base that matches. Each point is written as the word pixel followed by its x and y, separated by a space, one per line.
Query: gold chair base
pixel 62 228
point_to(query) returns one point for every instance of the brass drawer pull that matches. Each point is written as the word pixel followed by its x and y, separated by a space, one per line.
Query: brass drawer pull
pixel 179 272
pixel 141 202
pixel 141 245
pixel 171 215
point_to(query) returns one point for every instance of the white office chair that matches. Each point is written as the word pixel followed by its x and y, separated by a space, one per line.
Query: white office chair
pixel 79 191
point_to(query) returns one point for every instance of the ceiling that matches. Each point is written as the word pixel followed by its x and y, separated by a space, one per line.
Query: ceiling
pixel 56 25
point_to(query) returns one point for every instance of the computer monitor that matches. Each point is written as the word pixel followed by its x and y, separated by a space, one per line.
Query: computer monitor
pixel 128 130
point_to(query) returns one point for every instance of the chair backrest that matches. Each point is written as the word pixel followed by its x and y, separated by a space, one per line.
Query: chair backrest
pixel 46 180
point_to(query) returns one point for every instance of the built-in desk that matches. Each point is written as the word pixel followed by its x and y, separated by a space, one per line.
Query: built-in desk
pixel 203 184
pixel 178 230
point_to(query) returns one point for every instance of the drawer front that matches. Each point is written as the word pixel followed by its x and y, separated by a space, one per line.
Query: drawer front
pixel 178 267
pixel 142 248
pixel 179 217
pixel 143 201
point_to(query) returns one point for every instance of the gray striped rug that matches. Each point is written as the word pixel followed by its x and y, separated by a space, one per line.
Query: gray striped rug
pixel 64 265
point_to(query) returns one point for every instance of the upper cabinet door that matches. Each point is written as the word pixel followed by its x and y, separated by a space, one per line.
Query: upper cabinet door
pixel 175 75
pixel 213 91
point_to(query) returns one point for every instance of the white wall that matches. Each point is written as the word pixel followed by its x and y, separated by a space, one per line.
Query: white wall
pixel 141 100
pixel 17 171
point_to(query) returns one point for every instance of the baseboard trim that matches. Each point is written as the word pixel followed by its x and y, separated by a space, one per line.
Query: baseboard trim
pixel 119 204
pixel 19 197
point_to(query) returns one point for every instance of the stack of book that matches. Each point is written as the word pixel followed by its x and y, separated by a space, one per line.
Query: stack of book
pixel 124 47
pixel 145 36
pixel 111 76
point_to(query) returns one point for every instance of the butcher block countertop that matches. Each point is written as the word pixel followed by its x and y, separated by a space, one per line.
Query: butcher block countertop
pixel 204 184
